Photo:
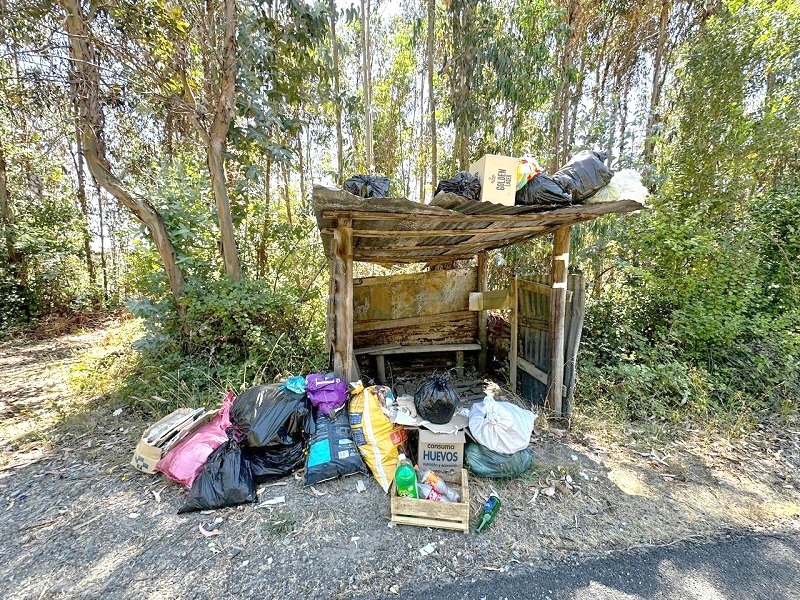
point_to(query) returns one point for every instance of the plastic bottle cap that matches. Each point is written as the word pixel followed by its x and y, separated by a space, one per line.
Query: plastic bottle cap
pixel 401 456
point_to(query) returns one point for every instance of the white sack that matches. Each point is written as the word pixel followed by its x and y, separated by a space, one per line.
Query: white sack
pixel 630 186
pixel 501 426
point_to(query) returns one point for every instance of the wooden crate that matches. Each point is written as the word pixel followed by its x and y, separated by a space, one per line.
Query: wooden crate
pixel 426 513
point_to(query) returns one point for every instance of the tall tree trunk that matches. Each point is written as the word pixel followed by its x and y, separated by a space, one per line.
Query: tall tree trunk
pixel 559 116
pixel 286 198
pixel 85 87
pixel 597 90
pixel 81 194
pixel 301 166
pixel 422 172
pixel 653 116
pixel 6 215
pixel 463 68
pixel 169 136
pixel 216 140
pixel 576 101
pixel 612 125
pixel 431 91
pixel 365 47
pixel 262 243
pixel 101 212
pixel 337 103
pixel 623 117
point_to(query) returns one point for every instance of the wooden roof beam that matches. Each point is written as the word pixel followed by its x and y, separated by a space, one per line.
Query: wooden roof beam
pixel 371 233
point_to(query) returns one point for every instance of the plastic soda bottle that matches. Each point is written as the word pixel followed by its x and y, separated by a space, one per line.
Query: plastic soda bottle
pixel 489 511
pixel 428 493
pixel 437 483
pixel 405 477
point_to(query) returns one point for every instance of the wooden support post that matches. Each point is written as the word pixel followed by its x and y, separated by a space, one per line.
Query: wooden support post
pixel 380 364
pixel 342 258
pixel 483 316
pixel 558 301
pixel 513 352
pixel 460 363
pixel 573 340
pixel 330 323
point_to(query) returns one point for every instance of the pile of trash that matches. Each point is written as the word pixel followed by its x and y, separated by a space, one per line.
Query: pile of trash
pixel 585 179
pixel 321 425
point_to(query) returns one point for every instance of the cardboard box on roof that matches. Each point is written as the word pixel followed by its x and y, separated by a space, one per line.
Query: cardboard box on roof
pixel 498 177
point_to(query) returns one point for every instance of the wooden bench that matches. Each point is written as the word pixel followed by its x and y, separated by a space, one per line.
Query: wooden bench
pixel 380 352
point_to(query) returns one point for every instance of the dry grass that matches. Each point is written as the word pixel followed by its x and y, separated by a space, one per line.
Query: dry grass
pixel 57 383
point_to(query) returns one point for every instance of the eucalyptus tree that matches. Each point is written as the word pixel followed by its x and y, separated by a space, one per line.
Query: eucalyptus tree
pixel 85 84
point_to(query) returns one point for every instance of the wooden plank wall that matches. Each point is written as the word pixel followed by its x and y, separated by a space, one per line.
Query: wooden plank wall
pixel 534 343
pixel 415 309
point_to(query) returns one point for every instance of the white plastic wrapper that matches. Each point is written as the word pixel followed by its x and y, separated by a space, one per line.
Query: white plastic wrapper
pixel 625 185
pixel 501 426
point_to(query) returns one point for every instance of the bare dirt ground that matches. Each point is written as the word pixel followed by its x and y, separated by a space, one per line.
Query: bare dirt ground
pixel 77 521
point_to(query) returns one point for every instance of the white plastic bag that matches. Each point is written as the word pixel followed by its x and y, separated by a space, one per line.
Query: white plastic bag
pixel 501 426
pixel 607 193
pixel 625 185
pixel 630 186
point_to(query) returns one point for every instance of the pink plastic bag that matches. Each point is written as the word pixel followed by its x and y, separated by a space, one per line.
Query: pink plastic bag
pixel 185 461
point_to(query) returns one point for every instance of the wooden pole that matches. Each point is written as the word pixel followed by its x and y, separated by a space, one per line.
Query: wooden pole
pixel 573 341
pixel 513 351
pixel 483 316
pixel 342 257
pixel 330 323
pixel 558 301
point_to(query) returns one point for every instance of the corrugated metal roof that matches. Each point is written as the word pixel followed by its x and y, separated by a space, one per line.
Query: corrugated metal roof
pixel 397 230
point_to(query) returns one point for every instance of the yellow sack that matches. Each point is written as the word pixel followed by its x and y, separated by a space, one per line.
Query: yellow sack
pixel 375 435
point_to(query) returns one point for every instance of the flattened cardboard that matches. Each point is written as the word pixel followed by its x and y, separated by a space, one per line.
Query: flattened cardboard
pixel 169 431
pixel 402 415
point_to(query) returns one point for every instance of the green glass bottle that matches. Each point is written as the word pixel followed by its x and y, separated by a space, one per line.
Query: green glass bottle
pixel 489 512
pixel 405 477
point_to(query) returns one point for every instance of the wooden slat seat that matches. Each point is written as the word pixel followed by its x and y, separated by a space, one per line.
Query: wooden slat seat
pixel 380 352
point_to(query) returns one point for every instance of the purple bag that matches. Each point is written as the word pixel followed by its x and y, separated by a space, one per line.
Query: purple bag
pixel 326 393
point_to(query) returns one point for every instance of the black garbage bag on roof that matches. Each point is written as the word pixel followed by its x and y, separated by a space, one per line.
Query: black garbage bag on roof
pixel 225 480
pixel 272 417
pixel 435 400
pixel 462 183
pixel 541 190
pixel 331 451
pixel 487 463
pixel 584 175
pixel 368 186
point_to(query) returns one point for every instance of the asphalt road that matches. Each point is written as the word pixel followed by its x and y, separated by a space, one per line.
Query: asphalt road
pixel 751 567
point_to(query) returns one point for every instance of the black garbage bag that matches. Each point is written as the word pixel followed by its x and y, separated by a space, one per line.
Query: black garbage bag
pixel 225 480
pixel 541 190
pixel 271 416
pixel 435 400
pixel 487 463
pixel 584 175
pixel 462 183
pixel 331 452
pixel 368 186
pixel 269 463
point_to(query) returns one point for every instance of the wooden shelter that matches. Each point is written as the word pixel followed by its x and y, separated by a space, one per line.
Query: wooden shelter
pixel 391 231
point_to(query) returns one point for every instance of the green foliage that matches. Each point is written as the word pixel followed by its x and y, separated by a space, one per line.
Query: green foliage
pixel 230 334
pixel 696 303
pixel 693 305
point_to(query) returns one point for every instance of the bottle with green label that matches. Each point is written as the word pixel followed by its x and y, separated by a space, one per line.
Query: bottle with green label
pixel 489 512
pixel 405 477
